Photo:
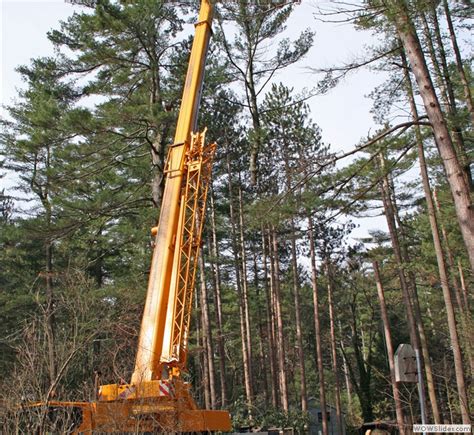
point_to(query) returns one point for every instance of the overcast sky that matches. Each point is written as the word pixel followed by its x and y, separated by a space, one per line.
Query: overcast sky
pixel 343 114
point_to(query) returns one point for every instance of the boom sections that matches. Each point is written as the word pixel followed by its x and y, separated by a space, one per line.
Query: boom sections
pixel 156 328
pixel 191 218
pixel 158 399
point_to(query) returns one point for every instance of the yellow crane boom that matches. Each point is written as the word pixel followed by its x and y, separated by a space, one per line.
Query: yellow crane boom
pixel 152 334
pixel 157 397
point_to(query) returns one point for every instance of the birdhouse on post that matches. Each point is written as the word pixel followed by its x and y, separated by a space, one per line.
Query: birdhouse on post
pixel 405 364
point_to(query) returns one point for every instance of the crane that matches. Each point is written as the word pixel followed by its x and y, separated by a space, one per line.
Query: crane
pixel 157 397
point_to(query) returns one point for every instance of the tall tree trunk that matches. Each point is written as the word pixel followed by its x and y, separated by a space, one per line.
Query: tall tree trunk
pixel 362 382
pixel 262 371
pixel 442 270
pixel 255 114
pixel 346 375
pixel 412 324
pixel 419 317
pixel 459 61
pixel 207 334
pixel 413 290
pixel 157 161
pixel 332 329
pixel 237 267
pixel 463 284
pixel 412 286
pixel 454 172
pixel 218 302
pixel 443 81
pixel 202 356
pixel 452 108
pixel 390 352
pixel 317 327
pixel 271 348
pixel 448 390
pixel 426 361
pixel 428 197
pixel 160 141
pixel 461 294
pixel 438 75
pixel 49 313
pixel 299 336
pixel 463 305
pixel 281 352
pixel 245 292
pixel 462 288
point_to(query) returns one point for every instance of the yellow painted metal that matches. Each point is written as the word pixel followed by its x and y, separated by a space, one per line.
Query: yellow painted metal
pixel 144 405
pixel 147 365
pixel 138 416
pixel 192 209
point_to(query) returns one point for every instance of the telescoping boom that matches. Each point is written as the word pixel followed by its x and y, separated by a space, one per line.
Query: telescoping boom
pixel 157 398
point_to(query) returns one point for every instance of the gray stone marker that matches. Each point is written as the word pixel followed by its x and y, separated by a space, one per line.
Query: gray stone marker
pixel 405 364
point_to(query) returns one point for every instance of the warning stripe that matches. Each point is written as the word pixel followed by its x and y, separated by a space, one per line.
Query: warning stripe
pixel 166 389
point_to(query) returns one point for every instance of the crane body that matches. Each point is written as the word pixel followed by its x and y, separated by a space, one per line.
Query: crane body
pixel 157 398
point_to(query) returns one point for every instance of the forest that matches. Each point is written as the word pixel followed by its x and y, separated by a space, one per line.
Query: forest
pixel 290 311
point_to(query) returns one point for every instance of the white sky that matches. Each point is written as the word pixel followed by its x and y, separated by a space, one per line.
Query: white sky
pixel 343 114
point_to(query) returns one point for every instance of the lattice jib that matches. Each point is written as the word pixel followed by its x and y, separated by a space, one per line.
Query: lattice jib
pixel 198 166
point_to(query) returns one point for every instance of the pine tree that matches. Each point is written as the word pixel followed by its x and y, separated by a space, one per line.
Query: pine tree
pixel 250 63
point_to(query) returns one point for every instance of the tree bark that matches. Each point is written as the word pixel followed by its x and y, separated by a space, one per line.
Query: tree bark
pixel 446 371
pixel 462 287
pixel 412 324
pixel 346 375
pixel 270 324
pixel 461 293
pixel 362 382
pixel 299 335
pixel 452 108
pixel 459 61
pixel 390 352
pixel 413 290
pixel 442 270
pixel 158 146
pixel 463 284
pixel 207 335
pixel 245 293
pixel 251 93
pixel 317 327
pixel 237 267
pixel 218 302
pixel 454 172
pixel 49 311
pixel 332 329
pixel 202 356
pixel 438 75
pixel 262 369
pixel 158 163
pixel 281 352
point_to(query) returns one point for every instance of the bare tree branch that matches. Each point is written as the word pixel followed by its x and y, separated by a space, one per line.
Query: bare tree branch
pixel 403 127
